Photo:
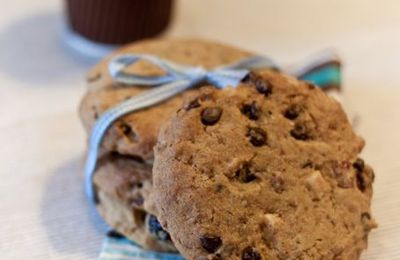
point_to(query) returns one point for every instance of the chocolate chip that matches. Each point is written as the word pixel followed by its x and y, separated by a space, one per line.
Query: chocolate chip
pixel 300 132
pixel 366 221
pixel 251 110
pixel 258 136
pixel 292 112
pixel 245 175
pixel 308 164
pixel 360 181
pixel 250 253
pixel 210 243
pixel 193 104
pixel 127 131
pixel 156 229
pixel 359 164
pixel 263 87
pixel 135 184
pixel 365 217
pixel 211 115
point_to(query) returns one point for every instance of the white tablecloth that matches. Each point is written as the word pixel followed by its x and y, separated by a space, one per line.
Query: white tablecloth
pixel 43 212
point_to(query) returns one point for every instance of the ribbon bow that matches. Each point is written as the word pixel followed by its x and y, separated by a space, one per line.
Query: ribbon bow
pixel 323 70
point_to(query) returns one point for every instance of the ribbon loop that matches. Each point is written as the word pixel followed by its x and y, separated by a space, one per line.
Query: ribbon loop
pixel 118 65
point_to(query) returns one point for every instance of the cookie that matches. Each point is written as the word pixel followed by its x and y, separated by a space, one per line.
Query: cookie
pixel 122 187
pixel 269 170
pixel 136 133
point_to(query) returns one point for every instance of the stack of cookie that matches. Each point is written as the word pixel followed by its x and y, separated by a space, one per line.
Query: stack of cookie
pixel 266 170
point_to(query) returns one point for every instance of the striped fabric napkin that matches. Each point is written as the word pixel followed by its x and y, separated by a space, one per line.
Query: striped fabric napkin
pixel 117 247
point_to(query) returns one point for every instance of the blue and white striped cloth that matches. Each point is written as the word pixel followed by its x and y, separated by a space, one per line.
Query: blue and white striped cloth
pixel 116 247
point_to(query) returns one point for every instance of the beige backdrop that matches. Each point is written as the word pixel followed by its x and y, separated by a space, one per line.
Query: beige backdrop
pixel 43 212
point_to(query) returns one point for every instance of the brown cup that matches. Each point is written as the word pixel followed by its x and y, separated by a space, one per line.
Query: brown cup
pixel 118 21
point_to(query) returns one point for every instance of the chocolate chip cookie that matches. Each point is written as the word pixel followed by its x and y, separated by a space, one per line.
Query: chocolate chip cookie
pixel 267 170
pixel 136 133
pixel 122 187
pixel 132 137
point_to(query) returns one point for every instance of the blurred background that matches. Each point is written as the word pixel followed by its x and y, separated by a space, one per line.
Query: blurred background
pixel 42 75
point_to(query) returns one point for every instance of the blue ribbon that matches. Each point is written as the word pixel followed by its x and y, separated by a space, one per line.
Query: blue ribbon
pixel 177 78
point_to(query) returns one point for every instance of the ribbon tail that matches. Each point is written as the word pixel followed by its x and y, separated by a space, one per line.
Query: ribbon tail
pixel 143 100
pixel 322 69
